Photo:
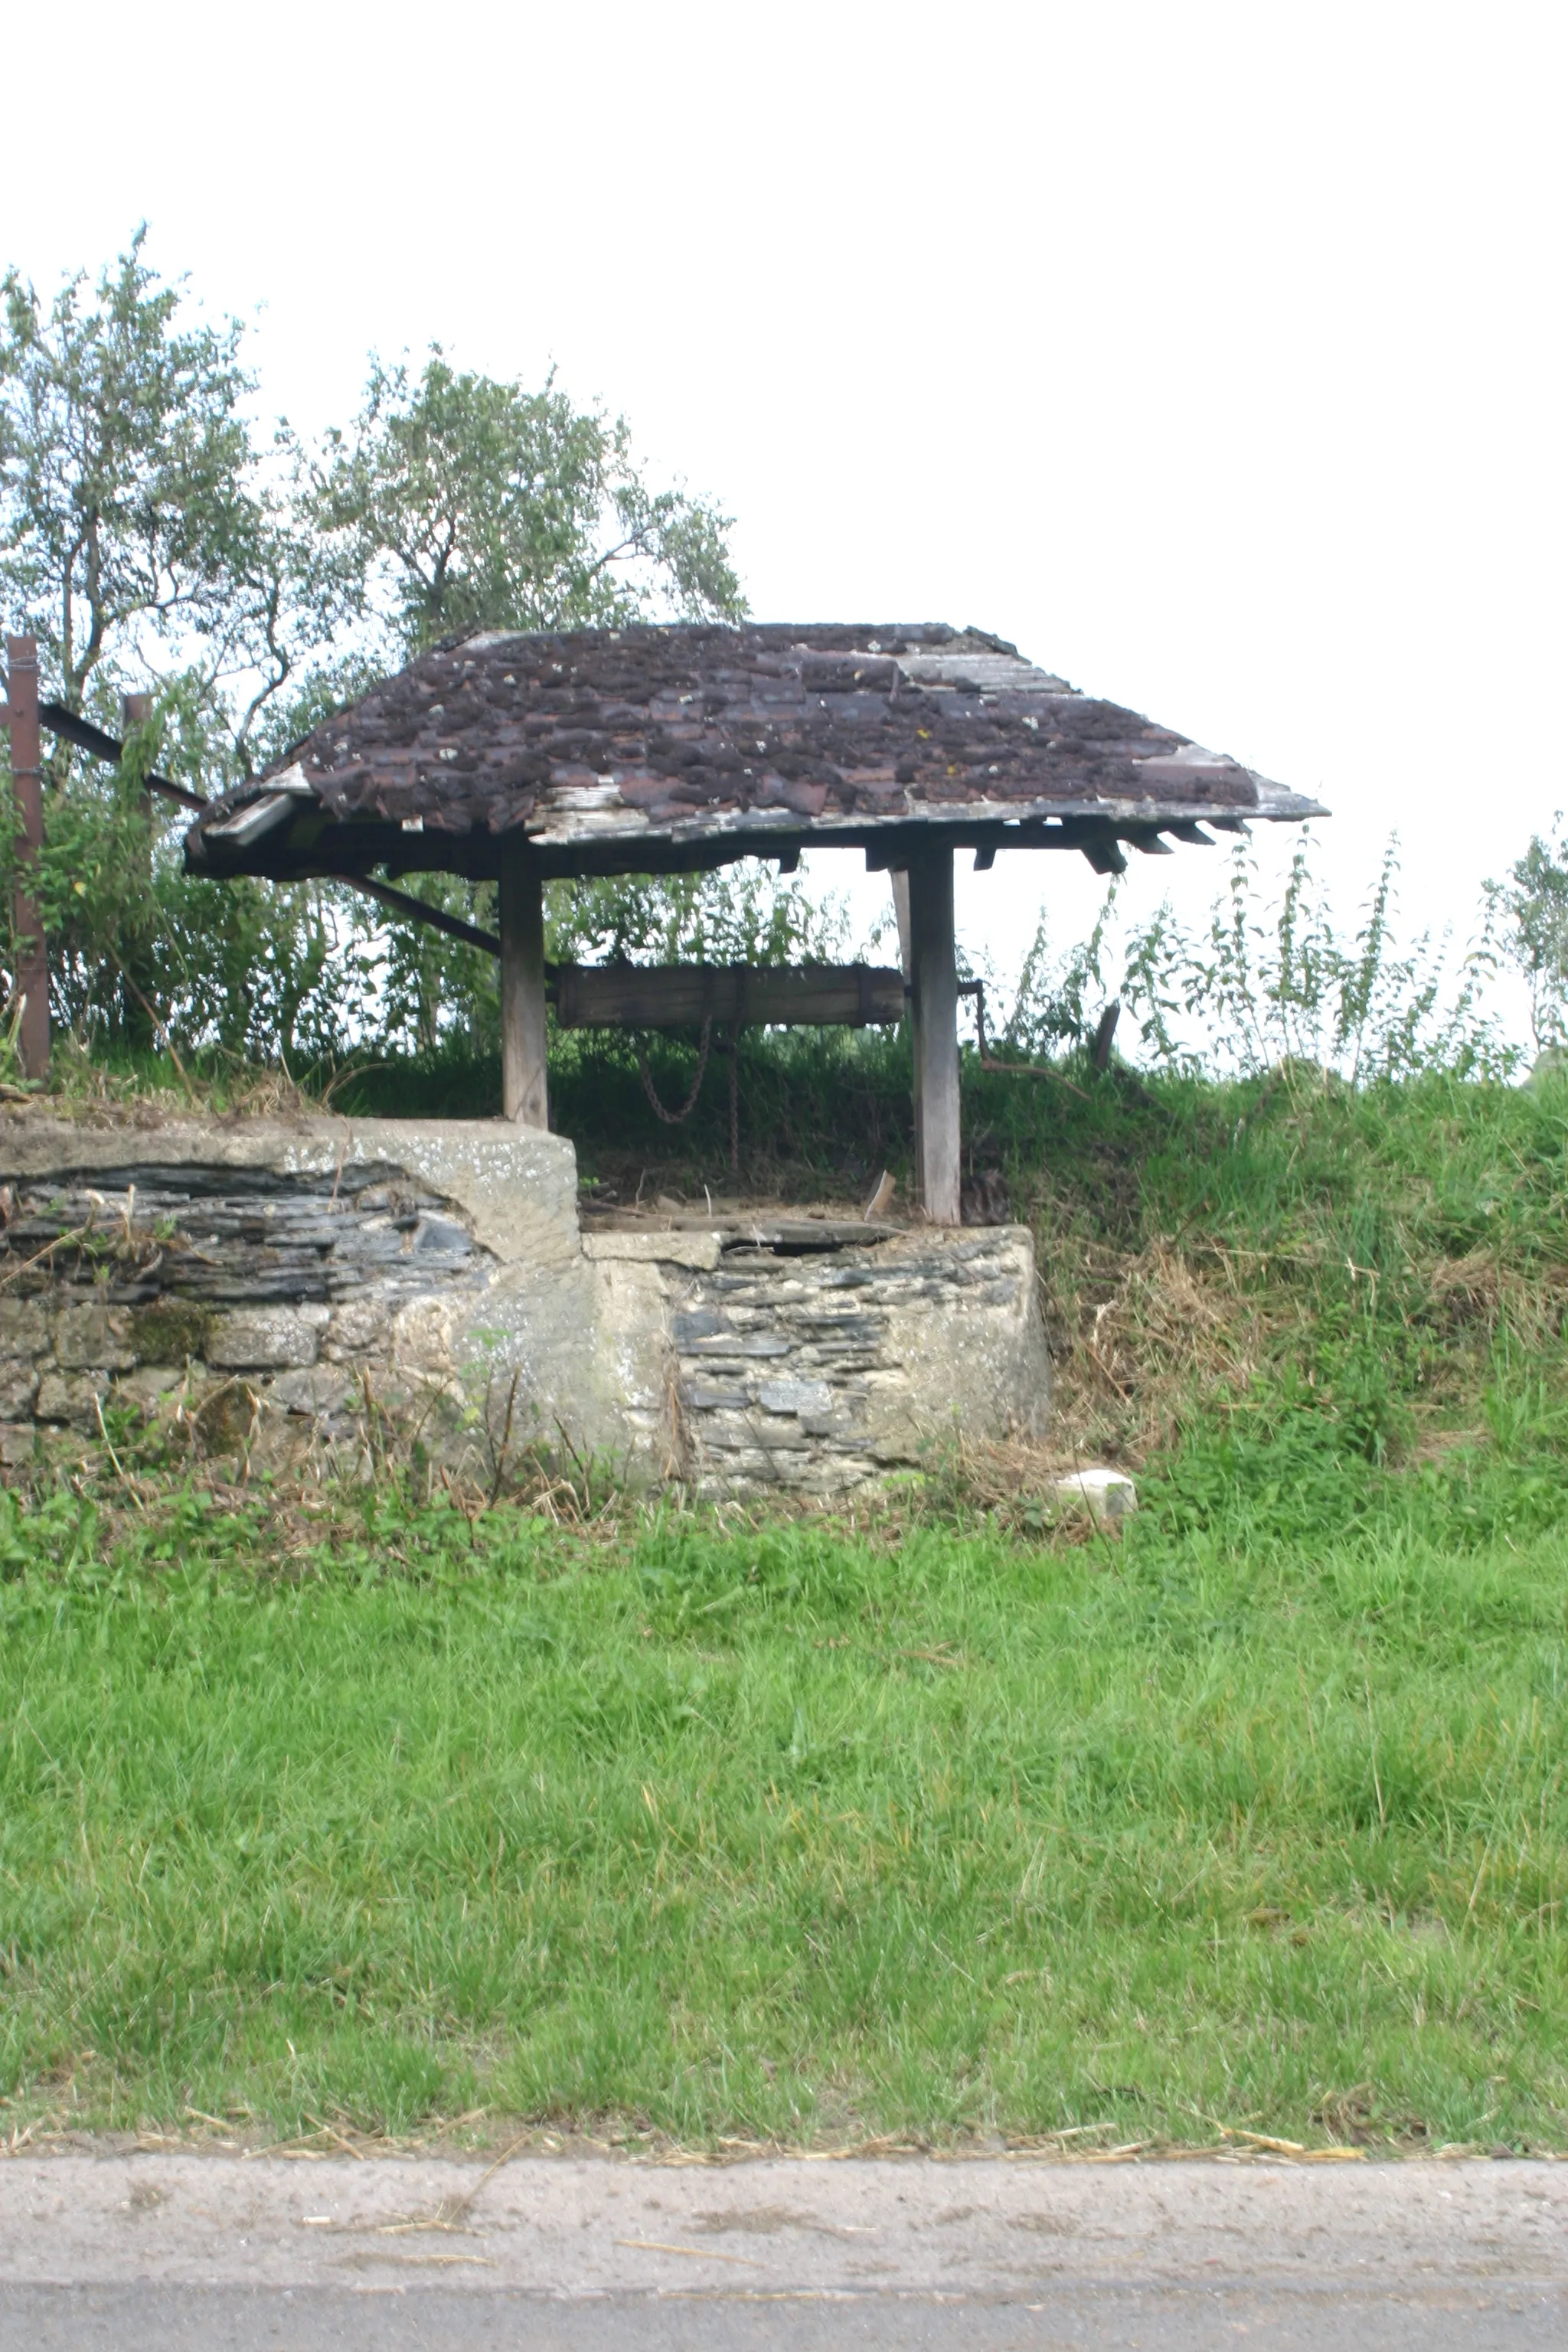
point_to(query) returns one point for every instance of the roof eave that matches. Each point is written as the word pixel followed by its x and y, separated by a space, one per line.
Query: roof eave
pixel 361 844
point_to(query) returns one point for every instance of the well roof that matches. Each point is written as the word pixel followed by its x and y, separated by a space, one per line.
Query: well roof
pixel 652 749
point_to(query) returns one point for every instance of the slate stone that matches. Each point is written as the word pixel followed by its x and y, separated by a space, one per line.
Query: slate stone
pixel 742 1343
pixel 686 1329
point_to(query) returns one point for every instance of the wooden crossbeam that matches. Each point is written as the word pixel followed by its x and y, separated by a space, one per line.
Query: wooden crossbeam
pixel 684 995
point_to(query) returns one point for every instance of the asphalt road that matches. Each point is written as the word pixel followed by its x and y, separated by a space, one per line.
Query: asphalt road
pixel 557 2254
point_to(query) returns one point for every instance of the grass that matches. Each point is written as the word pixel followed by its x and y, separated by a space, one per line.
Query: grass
pixel 936 1824
pixel 800 1832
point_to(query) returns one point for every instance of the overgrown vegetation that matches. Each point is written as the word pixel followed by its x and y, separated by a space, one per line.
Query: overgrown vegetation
pixel 381 1809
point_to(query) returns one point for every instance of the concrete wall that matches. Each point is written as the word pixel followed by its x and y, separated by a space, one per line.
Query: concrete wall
pixel 284 1284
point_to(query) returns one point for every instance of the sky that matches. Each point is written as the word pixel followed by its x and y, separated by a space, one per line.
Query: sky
pixel 1212 353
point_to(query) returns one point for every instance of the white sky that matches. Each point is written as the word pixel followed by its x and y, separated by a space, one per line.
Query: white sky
pixel 1213 353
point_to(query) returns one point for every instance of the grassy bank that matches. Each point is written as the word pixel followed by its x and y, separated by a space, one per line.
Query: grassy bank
pixel 1256 1820
pixel 337 1810
pixel 1394 1250
pixel 1393 1255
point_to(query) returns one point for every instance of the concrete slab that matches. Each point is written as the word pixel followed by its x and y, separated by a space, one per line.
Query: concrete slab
pixel 222 2250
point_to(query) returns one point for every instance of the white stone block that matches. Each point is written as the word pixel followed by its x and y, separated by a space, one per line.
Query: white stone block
pixel 1108 1496
pixel 797 1396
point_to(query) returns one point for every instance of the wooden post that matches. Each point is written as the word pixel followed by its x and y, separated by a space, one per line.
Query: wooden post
pixel 32 954
pixel 523 1032
pixel 934 990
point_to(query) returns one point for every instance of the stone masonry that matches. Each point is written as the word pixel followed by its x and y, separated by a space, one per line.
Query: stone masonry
pixel 279 1287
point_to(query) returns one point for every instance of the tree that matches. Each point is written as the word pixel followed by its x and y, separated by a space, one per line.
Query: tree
pixel 457 501
pixel 1533 903
pixel 138 533
pixel 151 538
pixel 145 540
pixel 460 501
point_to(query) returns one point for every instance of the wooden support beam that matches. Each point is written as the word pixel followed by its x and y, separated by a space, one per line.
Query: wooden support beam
pixel 399 902
pixel 524 1093
pixel 81 731
pixel 32 975
pixel 685 995
pixel 934 994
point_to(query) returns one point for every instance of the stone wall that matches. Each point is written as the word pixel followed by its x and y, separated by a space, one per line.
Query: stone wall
pixel 818 1359
pixel 282 1287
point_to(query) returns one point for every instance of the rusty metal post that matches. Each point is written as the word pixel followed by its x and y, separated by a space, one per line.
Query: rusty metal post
pixel 933 993
pixel 32 954
pixel 524 1093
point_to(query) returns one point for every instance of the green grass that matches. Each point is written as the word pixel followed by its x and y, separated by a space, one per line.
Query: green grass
pixel 1256 1820
pixel 939 1826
